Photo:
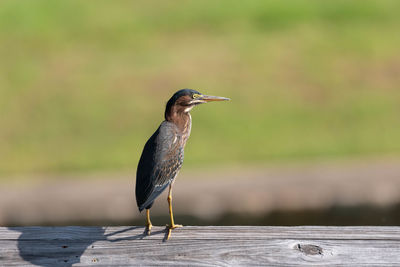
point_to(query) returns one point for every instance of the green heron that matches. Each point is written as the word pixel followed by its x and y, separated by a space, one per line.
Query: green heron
pixel 162 156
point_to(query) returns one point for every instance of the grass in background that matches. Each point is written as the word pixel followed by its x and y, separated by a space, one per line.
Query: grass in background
pixel 84 84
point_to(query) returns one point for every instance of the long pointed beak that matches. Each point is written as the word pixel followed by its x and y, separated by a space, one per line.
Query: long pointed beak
pixel 210 98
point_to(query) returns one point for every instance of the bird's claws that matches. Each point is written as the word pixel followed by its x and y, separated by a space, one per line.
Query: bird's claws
pixel 173 226
pixel 148 229
pixel 169 229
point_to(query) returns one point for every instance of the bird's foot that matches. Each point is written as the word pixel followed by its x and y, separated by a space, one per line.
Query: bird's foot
pixel 170 227
pixel 174 226
pixel 148 228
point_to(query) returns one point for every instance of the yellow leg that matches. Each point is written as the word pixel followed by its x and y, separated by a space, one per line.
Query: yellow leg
pixel 148 223
pixel 171 214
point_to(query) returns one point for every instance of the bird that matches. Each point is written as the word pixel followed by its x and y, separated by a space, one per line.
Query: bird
pixel 163 153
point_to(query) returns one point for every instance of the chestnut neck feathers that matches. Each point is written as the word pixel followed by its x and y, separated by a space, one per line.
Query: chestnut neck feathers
pixel 177 112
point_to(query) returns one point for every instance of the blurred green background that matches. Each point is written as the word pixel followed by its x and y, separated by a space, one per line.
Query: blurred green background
pixel 83 84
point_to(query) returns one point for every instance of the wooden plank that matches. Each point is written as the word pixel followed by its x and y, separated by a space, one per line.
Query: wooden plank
pixel 201 246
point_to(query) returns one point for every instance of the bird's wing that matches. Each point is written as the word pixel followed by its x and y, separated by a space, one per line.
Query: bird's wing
pixel 160 162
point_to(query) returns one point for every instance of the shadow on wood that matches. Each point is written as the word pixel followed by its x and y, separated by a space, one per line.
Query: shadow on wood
pixel 64 246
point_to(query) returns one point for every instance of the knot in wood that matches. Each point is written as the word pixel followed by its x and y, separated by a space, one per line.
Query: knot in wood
pixel 309 249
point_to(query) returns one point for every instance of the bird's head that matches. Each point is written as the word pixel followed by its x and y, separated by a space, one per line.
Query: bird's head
pixel 184 100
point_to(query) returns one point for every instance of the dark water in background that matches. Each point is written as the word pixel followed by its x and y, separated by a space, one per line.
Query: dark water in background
pixel 334 216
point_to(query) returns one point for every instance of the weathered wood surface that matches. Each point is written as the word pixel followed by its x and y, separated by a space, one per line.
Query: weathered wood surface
pixel 201 246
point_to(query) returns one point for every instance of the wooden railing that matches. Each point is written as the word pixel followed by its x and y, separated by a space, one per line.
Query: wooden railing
pixel 205 246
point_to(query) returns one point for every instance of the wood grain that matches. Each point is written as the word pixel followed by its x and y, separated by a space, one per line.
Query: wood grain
pixel 200 246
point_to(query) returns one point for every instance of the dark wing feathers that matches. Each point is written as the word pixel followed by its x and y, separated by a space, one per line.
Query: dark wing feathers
pixel 159 164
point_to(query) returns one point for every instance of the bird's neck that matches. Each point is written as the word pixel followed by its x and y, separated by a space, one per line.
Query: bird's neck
pixel 180 118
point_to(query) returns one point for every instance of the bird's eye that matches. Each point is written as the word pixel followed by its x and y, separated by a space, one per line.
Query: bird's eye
pixel 195 96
